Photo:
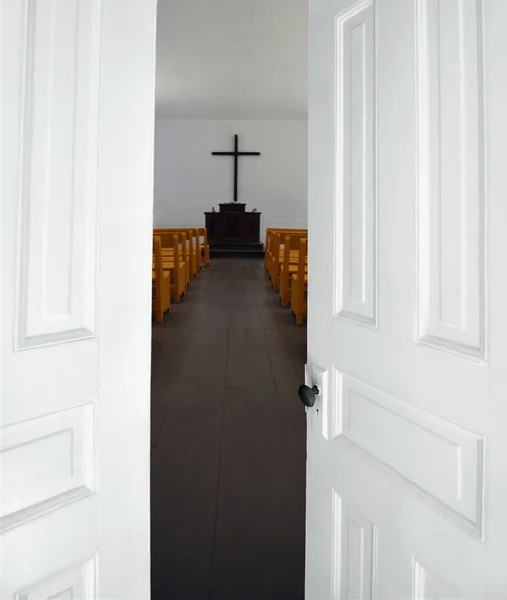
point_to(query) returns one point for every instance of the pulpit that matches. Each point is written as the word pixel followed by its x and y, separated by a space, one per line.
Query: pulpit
pixel 233 226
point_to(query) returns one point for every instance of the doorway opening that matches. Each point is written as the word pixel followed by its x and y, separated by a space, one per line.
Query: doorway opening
pixel 228 438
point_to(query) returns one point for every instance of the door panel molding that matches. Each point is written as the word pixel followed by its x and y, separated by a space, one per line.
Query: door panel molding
pixel 450 177
pixel 355 159
pixel 45 463
pixel 440 462
pixel 58 172
pixel 78 581
pixel 355 564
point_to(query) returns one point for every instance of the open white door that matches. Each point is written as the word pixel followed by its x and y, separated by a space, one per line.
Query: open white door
pixel 77 102
pixel 407 450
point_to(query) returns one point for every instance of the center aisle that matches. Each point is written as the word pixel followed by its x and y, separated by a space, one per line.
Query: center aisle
pixel 228 442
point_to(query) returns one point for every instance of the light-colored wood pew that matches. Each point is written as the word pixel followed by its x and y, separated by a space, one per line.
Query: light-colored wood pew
pixel 274 230
pixel 161 284
pixel 286 261
pixel 184 250
pixel 193 241
pixel 299 285
pixel 184 247
pixel 172 261
pixel 195 245
pixel 270 233
pixel 205 260
pixel 185 237
pixel 289 265
pixel 277 252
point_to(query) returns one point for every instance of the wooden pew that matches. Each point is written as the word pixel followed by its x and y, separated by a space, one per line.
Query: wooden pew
pixel 289 265
pixel 186 248
pixel 276 252
pixel 194 244
pixel 205 247
pixel 274 230
pixel 183 247
pixel 172 259
pixel 299 285
pixel 271 233
pixel 161 285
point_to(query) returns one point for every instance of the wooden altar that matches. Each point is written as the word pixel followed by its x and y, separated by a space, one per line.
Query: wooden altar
pixel 233 226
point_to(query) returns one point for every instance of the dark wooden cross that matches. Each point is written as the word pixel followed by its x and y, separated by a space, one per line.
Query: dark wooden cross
pixel 236 153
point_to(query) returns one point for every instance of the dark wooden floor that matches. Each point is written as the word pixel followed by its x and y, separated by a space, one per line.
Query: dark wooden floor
pixel 228 442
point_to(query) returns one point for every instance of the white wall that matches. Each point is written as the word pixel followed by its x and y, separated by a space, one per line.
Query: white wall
pixel 189 181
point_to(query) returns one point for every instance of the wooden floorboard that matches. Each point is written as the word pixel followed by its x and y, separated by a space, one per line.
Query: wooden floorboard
pixel 228 442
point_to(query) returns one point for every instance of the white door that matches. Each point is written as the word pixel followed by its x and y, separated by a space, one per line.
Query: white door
pixel 407 443
pixel 77 101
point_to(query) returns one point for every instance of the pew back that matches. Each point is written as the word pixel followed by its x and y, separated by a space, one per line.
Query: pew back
pixel 161 300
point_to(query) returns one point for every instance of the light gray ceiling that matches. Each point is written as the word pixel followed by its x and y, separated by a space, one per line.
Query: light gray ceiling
pixel 232 59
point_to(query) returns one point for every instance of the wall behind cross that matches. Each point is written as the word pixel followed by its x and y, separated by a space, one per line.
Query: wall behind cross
pixel 189 181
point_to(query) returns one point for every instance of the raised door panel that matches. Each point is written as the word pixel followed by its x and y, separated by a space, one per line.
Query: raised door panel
pixel 380 424
pixel 58 172
pixel 51 460
pixel 354 553
pixel 77 582
pixel 428 585
pixel 355 188
pixel 56 552
pixel 451 192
